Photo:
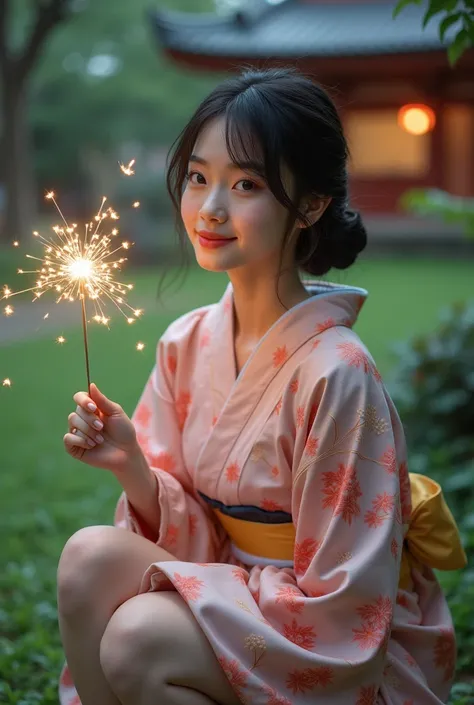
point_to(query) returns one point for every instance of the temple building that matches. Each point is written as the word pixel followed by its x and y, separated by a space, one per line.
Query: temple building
pixel 408 116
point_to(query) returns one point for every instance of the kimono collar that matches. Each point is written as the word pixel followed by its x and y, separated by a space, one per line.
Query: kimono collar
pixel 270 367
pixel 329 305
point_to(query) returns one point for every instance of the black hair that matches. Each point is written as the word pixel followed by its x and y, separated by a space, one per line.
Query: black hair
pixel 279 116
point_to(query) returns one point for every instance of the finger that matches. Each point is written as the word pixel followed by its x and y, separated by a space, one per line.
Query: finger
pixel 77 440
pixel 108 407
pixel 83 400
pixel 91 420
pixel 75 421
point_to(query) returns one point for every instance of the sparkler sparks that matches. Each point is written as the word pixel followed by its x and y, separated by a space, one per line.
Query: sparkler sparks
pixel 7 382
pixel 127 170
pixel 82 267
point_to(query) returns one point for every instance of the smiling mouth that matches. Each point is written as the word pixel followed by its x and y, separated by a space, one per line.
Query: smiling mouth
pixel 214 238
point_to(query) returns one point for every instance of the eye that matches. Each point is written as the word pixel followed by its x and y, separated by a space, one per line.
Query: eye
pixel 247 185
pixel 194 176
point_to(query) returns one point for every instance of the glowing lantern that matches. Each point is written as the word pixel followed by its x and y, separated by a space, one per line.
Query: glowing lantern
pixel 416 119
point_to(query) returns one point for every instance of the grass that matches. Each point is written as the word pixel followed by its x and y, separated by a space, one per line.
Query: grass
pixel 45 496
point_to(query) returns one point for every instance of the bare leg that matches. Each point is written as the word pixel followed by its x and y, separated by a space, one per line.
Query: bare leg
pixel 154 652
pixel 100 568
pixel 81 642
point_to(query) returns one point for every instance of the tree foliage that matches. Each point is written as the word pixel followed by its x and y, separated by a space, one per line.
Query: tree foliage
pixel 103 82
pixel 79 77
pixel 452 15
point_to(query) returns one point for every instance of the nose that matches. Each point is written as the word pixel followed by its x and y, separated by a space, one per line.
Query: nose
pixel 213 212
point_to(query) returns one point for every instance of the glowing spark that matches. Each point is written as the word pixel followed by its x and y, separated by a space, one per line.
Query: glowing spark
pixel 127 170
pixel 79 267
pixel 140 346
pixel 136 204
pixel 46 316
pixel 8 310
pixel 16 244
pixel 7 382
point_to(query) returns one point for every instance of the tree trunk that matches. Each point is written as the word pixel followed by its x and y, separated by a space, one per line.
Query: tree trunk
pixel 16 169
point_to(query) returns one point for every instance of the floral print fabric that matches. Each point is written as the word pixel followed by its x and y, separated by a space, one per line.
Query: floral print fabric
pixel 305 431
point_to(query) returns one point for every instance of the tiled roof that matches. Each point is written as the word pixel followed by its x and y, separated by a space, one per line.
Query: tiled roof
pixel 293 29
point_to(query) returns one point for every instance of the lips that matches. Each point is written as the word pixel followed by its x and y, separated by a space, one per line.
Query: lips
pixel 208 235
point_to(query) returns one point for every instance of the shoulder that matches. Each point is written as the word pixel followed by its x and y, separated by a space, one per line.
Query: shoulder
pixel 183 329
pixel 338 354
pixel 178 347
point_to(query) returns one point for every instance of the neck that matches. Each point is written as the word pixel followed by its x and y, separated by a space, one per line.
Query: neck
pixel 259 304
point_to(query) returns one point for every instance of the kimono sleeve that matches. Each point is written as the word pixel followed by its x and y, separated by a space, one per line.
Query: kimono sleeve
pixel 346 507
pixel 187 529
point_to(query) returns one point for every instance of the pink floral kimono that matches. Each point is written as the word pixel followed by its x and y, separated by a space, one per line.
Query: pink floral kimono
pixel 303 546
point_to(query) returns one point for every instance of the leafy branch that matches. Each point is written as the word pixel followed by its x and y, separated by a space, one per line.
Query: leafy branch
pixel 459 13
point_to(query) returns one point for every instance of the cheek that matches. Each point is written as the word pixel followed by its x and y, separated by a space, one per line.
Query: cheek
pixel 262 223
pixel 189 210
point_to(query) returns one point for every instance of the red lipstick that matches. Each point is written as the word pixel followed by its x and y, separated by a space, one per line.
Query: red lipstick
pixel 212 240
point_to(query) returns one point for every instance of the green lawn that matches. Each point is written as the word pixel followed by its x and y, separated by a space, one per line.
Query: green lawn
pixel 45 496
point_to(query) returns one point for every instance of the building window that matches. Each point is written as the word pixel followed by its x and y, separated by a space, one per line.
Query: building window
pixel 381 148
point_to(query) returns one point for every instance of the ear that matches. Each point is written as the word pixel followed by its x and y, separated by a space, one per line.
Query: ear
pixel 314 209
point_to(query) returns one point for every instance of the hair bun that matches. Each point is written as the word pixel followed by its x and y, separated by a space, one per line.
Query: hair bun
pixel 342 237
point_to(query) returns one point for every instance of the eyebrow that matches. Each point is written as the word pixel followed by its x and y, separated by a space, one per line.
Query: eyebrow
pixel 257 167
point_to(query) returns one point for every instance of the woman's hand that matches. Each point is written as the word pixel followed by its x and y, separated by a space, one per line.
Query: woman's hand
pixel 100 433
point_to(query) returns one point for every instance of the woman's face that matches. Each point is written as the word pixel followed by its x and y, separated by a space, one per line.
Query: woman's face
pixel 221 200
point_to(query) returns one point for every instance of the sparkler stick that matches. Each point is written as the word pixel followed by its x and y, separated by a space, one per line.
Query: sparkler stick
pixel 82 268
pixel 84 332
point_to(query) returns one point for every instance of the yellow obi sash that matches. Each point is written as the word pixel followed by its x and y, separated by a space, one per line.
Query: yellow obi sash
pixel 432 538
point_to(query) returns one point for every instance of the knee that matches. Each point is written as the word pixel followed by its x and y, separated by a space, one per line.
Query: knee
pixel 127 646
pixel 85 554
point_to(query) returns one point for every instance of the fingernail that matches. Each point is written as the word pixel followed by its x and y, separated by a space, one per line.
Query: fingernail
pixel 98 424
pixel 90 442
pixel 99 438
pixel 91 407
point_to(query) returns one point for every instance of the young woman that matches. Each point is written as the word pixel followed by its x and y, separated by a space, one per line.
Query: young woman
pixel 269 547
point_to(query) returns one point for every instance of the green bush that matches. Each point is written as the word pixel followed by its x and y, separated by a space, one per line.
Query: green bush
pixel 433 388
pixel 435 203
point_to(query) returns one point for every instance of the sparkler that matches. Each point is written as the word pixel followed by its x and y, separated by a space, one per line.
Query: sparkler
pixel 82 268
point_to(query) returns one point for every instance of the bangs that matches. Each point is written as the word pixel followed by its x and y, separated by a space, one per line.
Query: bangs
pixel 252 141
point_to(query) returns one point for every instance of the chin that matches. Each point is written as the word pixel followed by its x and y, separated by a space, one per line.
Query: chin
pixel 209 264
pixel 215 263
pixel 209 267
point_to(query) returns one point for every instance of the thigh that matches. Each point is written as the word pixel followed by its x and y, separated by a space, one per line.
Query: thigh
pixel 104 563
pixel 157 639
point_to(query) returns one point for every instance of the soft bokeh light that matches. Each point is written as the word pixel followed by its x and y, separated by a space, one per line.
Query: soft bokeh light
pixel 416 119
